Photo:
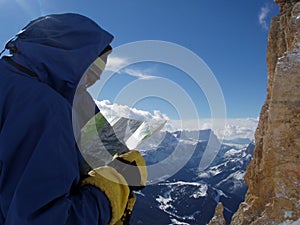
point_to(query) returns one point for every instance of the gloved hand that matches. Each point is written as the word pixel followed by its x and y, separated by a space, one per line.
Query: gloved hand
pixel 132 166
pixel 125 173
pixel 125 219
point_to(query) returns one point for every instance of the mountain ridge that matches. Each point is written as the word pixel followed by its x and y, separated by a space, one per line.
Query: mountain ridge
pixel 190 196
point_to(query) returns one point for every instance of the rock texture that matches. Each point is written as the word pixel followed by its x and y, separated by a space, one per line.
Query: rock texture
pixel 273 176
pixel 218 219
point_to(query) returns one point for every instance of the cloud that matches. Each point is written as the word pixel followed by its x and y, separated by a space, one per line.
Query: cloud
pixel 263 14
pixel 109 109
pixel 139 74
pixel 234 128
pixel 118 65
pixel 115 64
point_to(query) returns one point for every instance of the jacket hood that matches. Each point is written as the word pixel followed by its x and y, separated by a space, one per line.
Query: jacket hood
pixel 59 48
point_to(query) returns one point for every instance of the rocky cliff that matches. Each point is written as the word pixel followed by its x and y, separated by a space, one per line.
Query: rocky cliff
pixel 273 176
pixel 218 218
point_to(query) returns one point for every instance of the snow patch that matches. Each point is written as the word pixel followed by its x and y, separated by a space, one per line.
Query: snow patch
pixel 164 202
pixel 239 175
pixel 290 222
pixel 288 214
pixel 201 192
pixel 174 221
pixel 180 183
pixel 233 152
pixel 189 142
pixel 214 170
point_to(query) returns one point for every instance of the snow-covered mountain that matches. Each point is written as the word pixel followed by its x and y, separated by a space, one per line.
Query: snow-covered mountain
pixel 190 196
pixel 178 192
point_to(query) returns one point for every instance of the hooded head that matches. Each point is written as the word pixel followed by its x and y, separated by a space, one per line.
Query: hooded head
pixel 59 48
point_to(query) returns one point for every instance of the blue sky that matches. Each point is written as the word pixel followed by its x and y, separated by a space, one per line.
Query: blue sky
pixel 230 36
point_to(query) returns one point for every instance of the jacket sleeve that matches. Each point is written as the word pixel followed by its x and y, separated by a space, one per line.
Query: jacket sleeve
pixel 42 169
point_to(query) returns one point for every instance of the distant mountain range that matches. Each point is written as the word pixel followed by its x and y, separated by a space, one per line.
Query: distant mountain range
pixel 190 196
pixel 178 192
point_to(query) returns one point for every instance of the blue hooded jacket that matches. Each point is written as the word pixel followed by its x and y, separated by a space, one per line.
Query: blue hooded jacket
pixel 39 159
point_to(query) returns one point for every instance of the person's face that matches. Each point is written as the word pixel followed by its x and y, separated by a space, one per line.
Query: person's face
pixel 95 70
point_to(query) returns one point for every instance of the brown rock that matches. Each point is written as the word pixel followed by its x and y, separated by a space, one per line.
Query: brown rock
pixel 218 218
pixel 273 176
pixel 285 4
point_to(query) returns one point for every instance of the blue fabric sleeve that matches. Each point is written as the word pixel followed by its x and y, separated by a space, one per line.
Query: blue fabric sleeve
pixel 82 215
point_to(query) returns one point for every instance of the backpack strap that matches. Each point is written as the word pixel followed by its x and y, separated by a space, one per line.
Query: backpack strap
pixel 20 67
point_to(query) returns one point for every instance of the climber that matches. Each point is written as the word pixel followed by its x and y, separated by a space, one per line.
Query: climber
pixel 40 162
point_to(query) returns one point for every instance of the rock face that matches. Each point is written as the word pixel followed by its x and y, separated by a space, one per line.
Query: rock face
pixel 218 219
pixel 273 176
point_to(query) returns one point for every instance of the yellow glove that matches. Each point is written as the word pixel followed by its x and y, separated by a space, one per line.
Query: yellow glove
pixel 113 184
pixel 125 173
pixel 128 211
pixel 132 166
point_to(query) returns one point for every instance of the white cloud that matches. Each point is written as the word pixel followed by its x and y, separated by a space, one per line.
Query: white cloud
pixel 114 64
pixel 118 64
pixel 139 74
pixel 234 128
pixel 263 14
pixel 107 108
